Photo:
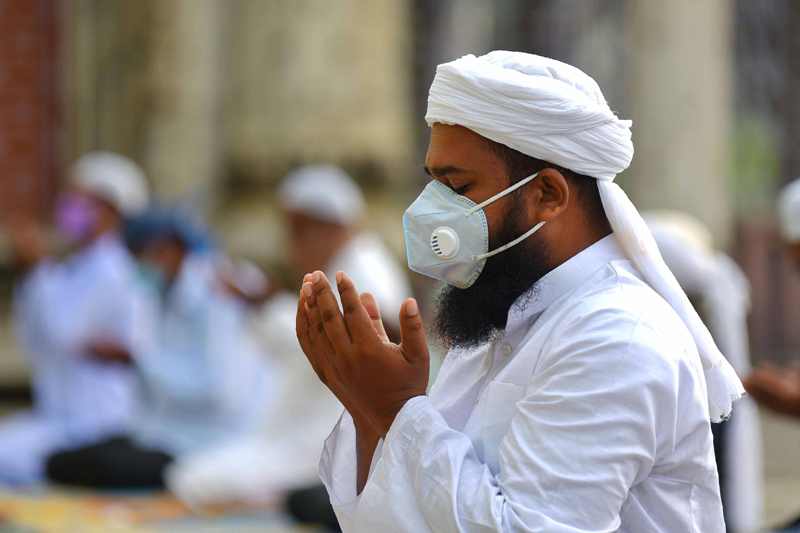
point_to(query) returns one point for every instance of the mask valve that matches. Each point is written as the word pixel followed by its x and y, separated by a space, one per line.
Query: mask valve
pixel 444 242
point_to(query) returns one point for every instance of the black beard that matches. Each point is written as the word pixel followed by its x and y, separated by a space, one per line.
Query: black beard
pixel 468 318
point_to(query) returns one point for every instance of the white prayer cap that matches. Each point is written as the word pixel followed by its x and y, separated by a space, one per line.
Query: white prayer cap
pixel 114 178
pixel 680 226
pixel 789 211
pixel 555 112
pixel 324 192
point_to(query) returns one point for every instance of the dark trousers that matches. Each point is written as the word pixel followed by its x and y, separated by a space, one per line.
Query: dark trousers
pixel 312 506
pixel 115 463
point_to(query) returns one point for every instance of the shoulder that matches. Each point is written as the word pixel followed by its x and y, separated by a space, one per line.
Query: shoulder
pixel 621 324
pixel 113 267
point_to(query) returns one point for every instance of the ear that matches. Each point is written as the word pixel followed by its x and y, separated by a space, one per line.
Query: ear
pixel 553 196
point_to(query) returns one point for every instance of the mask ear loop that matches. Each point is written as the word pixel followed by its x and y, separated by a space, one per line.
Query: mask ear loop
pixel 511 189
pixel 519 239
pixel 512 243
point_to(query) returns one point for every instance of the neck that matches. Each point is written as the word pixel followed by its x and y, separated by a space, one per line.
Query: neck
pixel 578 242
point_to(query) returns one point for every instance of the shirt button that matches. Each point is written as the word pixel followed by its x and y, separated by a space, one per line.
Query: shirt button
pixel 506 349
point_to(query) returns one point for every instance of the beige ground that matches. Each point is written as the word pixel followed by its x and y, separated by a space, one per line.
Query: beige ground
pixel 781 464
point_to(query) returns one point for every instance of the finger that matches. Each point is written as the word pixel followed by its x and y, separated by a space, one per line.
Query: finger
pixel 413 344
pixel 324 348
pixel 324 302
pixel 357 319
pixel 303 329
pixel 327 350
pixel 371 305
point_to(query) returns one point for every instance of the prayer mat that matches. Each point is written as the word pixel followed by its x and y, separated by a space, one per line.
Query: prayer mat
pixel 60 510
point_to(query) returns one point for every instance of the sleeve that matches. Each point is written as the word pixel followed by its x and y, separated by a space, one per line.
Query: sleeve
pixel 29 294
pixel 581 436
pixel 338 471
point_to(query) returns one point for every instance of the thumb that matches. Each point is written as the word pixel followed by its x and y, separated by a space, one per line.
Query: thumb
pixel 413 344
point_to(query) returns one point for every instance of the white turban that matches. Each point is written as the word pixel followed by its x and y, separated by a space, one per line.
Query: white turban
pixel 323 192
pixel 114 178
pixel 555 112
pixel 789 211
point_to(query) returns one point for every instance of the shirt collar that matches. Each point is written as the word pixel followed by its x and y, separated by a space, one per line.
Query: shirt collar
pixel 565 278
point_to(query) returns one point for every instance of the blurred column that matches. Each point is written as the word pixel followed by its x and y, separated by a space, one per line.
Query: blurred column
pixel 679 87
pixel 791 96
pixel 181 148
pixel 143 80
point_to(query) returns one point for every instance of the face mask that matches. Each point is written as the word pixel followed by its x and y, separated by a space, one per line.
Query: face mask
pixel 447 237
pixel 153 275
pixel 75 217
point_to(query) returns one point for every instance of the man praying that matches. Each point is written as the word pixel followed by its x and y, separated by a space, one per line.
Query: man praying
pixel 580 385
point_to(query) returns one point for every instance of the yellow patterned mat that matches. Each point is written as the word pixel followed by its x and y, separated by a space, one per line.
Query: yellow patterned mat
pixel 54 510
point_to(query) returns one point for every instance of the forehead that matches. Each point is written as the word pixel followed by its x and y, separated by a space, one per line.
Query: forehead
pixel 461 147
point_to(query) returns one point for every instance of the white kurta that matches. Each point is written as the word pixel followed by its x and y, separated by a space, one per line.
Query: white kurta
pixel 589 415
pixel 203 378
pixel 60 309
pixel 284 453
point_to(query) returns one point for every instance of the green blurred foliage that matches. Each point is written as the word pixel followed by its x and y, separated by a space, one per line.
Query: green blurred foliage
pixel 756 164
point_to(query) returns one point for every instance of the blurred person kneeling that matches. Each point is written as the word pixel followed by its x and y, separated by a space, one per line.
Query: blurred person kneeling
pixel 324 209
pixel 68 309
pixel 201 376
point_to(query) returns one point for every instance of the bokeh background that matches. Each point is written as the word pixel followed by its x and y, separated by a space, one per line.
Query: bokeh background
pixel 217 100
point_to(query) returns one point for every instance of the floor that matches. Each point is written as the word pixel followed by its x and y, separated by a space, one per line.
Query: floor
pixel 54 510
pixel 49 510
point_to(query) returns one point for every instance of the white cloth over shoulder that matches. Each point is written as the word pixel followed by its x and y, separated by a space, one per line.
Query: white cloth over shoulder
pixel 555 112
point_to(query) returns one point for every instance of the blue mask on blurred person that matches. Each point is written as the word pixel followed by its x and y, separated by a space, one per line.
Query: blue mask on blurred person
pixel 447 237
pixel 153 276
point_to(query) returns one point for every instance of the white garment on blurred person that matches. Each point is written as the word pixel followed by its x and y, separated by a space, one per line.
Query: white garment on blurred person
pixel 722 293
pixel 60 309
pixel 284 453
pixel 373 269
pixel 789 211
pixel 203 378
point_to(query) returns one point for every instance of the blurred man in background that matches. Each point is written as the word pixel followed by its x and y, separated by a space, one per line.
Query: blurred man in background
pixel 779 389
pixel 69 312
pixel 202 378
pixel 720 292
pixel 324 208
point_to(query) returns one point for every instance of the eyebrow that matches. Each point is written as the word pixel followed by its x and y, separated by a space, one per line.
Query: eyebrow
pixel 441 172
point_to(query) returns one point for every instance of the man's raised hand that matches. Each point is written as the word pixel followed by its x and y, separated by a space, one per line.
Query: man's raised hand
pixel 376 376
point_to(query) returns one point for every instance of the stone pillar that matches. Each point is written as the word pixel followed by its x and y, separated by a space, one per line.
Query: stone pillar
pixel 143 80
pixel 678 93
pixel 181 147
